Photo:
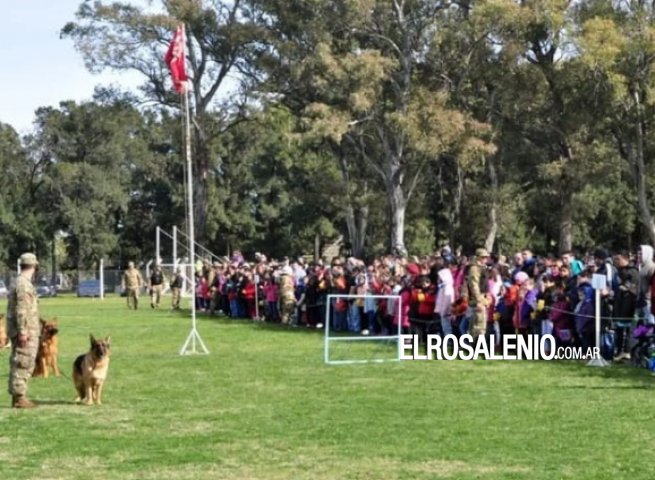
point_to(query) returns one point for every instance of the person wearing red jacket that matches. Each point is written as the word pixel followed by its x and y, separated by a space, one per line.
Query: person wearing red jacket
pixel 405 294
pixel 248 295
pixel 423 298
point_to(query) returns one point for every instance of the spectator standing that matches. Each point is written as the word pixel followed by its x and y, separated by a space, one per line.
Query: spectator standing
pixel 625 304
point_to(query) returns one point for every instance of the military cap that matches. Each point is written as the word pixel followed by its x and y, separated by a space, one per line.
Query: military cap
pixel 28 259
pixel 481 252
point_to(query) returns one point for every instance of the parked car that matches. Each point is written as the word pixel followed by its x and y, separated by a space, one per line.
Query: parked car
pixel 88 288
pixel 3 290
pixel 44 289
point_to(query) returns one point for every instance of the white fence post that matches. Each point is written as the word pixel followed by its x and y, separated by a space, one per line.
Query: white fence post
pixel 102 279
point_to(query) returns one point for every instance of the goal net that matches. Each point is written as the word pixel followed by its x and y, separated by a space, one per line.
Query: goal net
pixel 347 343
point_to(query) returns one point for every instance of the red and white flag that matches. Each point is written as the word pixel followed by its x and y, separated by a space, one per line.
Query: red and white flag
pixel 176 60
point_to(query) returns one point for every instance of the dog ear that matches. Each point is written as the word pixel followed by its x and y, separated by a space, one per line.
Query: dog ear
pixel 92 338
pixel 43 322
pixel 108 341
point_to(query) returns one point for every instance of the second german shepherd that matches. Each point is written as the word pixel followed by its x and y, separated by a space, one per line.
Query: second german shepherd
pixel 46 356
pixel 90 371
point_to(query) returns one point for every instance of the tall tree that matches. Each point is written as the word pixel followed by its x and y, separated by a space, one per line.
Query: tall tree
pixel 126 37
pixel 617 42
pixel 350 68
pixel 93 150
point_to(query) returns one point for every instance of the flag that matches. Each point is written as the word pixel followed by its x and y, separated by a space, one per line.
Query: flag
pixel 176 60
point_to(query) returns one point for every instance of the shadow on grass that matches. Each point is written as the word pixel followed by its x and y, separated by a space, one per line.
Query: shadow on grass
pixel 70 403
pixel 633 377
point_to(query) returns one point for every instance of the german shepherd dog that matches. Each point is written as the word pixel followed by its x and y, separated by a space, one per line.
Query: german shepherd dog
pixel 90 371
pixel 4 341
pixel 46 356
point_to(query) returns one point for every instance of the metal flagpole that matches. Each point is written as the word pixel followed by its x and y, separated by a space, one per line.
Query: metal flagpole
pixel 189 346
pixel 174 247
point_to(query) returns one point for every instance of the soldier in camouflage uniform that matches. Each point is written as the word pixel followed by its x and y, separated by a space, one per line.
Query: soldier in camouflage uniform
pixel 176 288
pixel 287 295
pixel 24 330
pixel 132 282
pixel 476 282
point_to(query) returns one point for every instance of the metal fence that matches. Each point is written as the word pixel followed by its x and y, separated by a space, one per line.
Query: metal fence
pixel 70 280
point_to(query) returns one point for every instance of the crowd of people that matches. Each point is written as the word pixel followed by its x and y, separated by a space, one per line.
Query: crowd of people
pixel 443 293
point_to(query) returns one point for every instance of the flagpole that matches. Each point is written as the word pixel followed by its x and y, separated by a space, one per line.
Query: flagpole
pixel 193 335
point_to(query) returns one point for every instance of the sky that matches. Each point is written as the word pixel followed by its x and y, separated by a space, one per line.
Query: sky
pixel 40 69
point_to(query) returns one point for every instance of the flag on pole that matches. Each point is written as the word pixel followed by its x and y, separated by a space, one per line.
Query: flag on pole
pixel 176 60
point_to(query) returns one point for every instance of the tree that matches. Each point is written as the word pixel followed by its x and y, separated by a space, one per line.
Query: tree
pixel 352 71
pixel 121 36
pixel 93 150
pixel 20 212
pixel 617 44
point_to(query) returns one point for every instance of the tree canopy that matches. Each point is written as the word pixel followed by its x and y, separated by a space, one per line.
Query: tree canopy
pixel 400 124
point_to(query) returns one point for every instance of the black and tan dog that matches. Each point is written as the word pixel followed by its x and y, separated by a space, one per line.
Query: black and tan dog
pixel 46 356
pixel 90 371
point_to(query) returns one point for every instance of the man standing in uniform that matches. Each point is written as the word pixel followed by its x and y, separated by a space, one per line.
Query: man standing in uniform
pixel 132 282
pixel 156 285
pixel 287 296
pixel 176 287
pixel 23 330
pixel 476 282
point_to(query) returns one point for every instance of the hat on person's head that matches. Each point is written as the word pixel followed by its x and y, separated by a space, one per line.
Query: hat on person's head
pixel 601 254
pixel 481 253
pixel 521 277
pixel 413 269
pixel 286 270
pixel 28 259
pixel 217 264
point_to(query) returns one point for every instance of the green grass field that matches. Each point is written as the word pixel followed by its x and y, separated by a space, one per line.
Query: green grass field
pixel 263 405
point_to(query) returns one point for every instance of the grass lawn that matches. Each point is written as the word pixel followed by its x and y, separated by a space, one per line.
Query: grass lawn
pixel 263 405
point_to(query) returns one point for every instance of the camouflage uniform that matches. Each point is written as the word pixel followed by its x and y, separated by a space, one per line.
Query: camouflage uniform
pixel 176 286
pixel 287 297
pixel 477 296
pixel 22 319
pixel 132 282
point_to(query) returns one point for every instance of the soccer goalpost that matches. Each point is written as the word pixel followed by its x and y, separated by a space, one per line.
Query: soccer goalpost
pixel 332 339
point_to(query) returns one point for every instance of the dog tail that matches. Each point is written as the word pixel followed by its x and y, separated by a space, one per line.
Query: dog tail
pixel 77 365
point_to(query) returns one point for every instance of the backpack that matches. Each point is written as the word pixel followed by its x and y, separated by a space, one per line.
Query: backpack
pixel 576 267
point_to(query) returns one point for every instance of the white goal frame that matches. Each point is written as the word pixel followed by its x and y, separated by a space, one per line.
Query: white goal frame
pixel 328 339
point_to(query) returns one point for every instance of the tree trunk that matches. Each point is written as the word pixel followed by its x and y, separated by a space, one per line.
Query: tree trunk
pixel 457 206
pixel 362 225
pixel 566 223
pixel 493 225
pixel 642 195
pixel 357 222
pixel 317 247
pixel 200 190
pixel 398 206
